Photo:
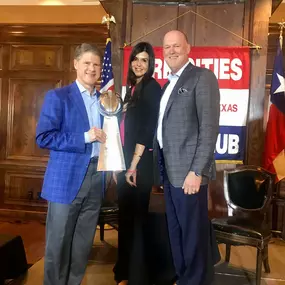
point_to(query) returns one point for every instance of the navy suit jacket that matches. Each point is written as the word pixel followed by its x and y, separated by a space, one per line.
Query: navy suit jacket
pixel 61 126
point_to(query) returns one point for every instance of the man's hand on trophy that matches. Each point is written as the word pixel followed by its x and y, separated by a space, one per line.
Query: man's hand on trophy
pixel 96 134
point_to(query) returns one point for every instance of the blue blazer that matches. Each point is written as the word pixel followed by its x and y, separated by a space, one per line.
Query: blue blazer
pixel 61 126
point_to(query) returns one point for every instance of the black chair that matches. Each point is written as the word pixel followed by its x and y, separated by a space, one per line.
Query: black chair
pixel 278 210
pixel 108 215
pixel 248 193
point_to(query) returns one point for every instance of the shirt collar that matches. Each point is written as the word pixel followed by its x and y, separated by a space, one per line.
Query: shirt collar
pixel 178 73
pixel 83 90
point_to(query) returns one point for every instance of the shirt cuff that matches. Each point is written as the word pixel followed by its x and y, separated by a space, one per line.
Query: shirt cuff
pixel 86 137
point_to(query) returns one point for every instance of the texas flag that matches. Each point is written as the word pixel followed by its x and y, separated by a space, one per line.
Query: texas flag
pixel 274 156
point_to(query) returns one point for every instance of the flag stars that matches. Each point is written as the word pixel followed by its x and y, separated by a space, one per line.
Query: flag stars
pixel 107 79
pixel 281 87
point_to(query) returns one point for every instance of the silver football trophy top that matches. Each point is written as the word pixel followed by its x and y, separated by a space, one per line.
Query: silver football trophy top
pixel 109 103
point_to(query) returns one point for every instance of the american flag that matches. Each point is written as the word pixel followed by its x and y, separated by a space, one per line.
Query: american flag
pixel 107 78
pixel 274 152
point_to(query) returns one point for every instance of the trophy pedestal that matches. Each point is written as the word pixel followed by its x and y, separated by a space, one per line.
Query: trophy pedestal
pixel 111 157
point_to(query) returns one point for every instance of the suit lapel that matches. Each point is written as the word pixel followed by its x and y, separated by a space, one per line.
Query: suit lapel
pixel 182 78
pixel 77 99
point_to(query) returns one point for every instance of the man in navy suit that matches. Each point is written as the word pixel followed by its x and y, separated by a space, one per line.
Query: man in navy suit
pixel 70 127
pixel 187 131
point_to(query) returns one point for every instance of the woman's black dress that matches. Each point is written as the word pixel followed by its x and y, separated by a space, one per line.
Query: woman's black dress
pixel 140 124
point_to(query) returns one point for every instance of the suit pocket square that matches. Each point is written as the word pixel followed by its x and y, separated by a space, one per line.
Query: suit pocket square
pixel 182 90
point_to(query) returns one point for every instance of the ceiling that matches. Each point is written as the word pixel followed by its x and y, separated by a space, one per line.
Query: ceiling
pixel 49 2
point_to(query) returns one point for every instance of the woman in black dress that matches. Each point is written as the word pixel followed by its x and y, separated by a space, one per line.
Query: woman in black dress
pixel 141 107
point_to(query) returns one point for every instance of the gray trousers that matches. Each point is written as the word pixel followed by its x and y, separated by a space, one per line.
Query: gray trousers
pixel 70 230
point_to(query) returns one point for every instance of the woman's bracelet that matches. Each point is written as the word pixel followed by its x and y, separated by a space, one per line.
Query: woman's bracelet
pixel 131 171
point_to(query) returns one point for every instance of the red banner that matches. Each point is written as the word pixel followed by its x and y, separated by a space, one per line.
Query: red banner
pixel 231 65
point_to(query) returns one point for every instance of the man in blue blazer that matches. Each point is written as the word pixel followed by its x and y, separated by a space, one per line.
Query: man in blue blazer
pixel 70 127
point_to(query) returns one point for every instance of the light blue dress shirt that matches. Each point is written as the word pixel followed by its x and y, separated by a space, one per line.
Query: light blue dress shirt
pixel 90 102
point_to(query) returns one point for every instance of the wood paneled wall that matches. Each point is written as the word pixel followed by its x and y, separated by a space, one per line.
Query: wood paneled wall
pixel 249 20
pixel 33 59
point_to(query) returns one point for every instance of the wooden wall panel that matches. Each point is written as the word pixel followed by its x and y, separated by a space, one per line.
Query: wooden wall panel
pixel 187 23
pixel 148 17
pixel 23 188
pixel 24 105
pixel 228 16
pixel 39 57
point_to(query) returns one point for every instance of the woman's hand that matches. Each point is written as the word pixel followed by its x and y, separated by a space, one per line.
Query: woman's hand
pixel 131 177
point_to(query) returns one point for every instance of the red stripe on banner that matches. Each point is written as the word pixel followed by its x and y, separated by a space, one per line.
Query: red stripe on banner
pixel 231 65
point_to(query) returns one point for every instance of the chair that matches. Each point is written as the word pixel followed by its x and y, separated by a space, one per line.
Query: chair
pixel 248 193
pixel 278 210
pixel 108 215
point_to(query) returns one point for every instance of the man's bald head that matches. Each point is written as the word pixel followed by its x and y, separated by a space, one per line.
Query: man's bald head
pixel 175 50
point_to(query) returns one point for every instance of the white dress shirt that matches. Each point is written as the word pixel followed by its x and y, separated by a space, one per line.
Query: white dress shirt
pixel 173 78
pixel 90 102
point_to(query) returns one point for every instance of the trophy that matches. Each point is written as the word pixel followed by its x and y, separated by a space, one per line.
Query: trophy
pixel 111 156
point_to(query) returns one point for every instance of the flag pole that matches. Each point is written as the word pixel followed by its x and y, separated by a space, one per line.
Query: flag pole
pixel 281 26
pixel 108 19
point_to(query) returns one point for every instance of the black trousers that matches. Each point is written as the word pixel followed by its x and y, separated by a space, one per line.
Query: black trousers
pixel 133 211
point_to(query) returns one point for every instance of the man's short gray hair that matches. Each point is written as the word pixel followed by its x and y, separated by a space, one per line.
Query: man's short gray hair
pixel 83 48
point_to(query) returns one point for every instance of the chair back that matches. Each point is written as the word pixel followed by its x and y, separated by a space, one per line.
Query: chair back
pixel 248 188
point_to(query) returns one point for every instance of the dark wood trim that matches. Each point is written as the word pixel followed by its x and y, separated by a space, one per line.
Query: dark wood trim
pixel 260 27
pixel 56 34
pixel 275 5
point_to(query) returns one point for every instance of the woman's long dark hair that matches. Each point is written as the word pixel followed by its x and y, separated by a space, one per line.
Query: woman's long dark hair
pixel 132 79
